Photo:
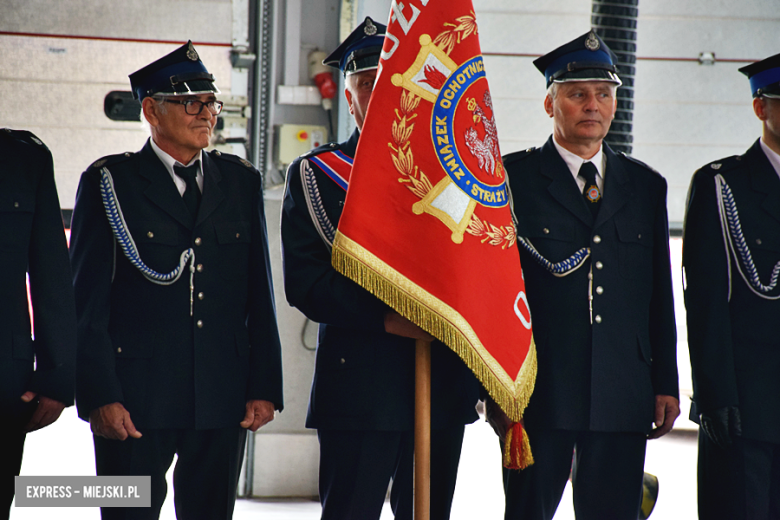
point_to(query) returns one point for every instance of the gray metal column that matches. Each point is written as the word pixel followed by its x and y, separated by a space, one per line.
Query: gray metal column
pixel 615 21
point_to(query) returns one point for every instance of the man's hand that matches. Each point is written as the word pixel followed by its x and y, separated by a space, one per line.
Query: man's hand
pixel 721 424
pixel 497 419
pixel 667 409
pixel 112 421
pixel 258 413
pixel 47 411
pixel 400 326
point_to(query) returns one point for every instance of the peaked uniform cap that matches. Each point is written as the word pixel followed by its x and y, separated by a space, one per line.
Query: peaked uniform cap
pixel 179 73
pixel 360 50
pixel 764 77
pixel 586 58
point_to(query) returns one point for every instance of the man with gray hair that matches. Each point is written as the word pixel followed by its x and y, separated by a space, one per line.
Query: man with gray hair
pixel 178 346
pixel 594 243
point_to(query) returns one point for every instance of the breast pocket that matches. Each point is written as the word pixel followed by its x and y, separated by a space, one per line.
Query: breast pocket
pixel 234 239
pixel 552 238
pixel 16 217
pixel 635 248
pixel 159 244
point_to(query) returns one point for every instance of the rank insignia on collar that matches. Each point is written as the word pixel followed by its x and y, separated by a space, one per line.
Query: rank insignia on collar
pixel 192 54
pixel 592 43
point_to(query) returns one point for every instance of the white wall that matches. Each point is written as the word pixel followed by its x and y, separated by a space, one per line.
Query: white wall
pixel 686 114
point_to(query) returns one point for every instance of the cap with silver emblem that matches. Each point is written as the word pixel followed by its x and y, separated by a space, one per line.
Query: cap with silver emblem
pixel 586 58
pixel 179 73
pixel 361 50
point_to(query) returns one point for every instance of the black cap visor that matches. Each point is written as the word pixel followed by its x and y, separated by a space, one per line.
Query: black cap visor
pixel 363 59
pixel 587 72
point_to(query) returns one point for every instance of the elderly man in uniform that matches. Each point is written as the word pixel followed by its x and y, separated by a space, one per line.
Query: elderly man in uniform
pixel 362 397
pixel 178 349
pixel 731 255
pixel 36 376
pixel 594 242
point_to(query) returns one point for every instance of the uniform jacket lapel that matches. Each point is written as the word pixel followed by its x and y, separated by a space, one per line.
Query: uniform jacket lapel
pixel 563 187
pixel 162 190
pixel 618 187
pixel 764 179
pixel 212 193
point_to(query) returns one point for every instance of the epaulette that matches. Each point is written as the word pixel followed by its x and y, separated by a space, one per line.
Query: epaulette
pixel 722 165
pixel 516 156
pixel 327 147
pixel 109 160
pixel 23 135
pixel 234 159
pixel 640 163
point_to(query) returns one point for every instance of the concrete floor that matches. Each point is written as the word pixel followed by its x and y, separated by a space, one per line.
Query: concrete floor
pixel 478 494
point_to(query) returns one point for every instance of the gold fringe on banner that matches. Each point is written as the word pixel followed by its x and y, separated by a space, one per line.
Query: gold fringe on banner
pixel 441 321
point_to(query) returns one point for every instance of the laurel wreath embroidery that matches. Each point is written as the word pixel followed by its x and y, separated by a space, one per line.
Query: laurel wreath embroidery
pixel 413 177
pixel 466 26
pixel 503 236
pixel 403 159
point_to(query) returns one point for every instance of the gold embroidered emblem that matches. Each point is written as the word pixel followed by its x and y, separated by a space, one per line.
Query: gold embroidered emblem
pixel 472 180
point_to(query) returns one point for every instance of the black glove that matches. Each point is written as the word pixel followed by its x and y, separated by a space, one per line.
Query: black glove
pixel 721 425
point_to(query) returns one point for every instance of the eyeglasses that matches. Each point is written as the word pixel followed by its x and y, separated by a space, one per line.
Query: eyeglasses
pixel 191 105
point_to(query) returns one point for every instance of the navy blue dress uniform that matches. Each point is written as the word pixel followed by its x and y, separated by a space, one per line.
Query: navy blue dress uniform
pixel 362 396
pixel 183 358
pixel 600 292
pixel 32 241
pixel 731 251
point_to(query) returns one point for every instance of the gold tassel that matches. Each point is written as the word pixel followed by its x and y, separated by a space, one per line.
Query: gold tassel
pixel 517 448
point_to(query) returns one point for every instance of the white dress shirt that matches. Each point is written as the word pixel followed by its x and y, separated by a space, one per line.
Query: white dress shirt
pixel 170 162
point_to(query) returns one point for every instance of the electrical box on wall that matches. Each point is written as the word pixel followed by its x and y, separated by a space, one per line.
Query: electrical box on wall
pixel 295 140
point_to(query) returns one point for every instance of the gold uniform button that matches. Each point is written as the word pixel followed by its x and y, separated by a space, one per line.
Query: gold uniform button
pixel 16 204
pixel 639 235
pixel 546 231
pixel 599 290
pixel 200 295
pixel 119 350
pixel 599 265
pixel 200 324
pixel 238 235
pixel 199 268
pixel 343 361
pixel 198 241
pixel 596 239
pixel 597 318
pixel 150 234
pixel 758 241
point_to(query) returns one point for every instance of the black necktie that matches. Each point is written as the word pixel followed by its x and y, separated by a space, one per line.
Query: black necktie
pixel 591 192
pixel 192 192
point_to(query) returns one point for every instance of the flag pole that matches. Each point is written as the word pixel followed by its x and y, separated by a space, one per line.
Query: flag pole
pixel 422 431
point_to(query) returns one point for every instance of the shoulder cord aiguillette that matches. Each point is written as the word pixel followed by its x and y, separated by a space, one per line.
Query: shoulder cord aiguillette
pixel 119 227
pixel 559 269
pixel 736 244
pixel 325 227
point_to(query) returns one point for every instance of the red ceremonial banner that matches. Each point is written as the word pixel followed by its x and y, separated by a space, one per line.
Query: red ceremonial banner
pixel 427 223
